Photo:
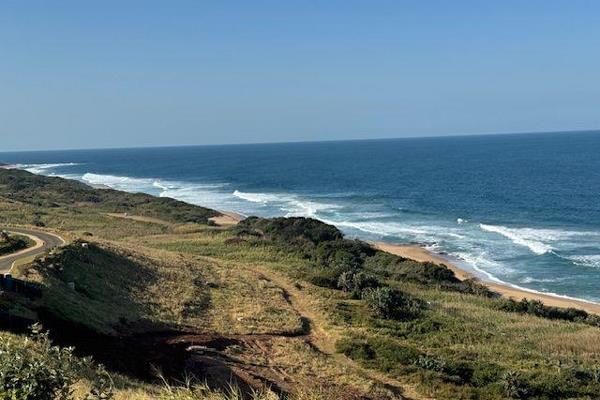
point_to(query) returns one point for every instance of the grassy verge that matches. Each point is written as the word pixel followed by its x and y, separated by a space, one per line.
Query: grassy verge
pixel 14 243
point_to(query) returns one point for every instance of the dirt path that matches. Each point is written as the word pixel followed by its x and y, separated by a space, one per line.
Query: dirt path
pixel 139 218
pixel 323 336
pixel 226 219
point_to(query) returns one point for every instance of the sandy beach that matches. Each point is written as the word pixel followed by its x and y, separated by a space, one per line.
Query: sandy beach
pixel 227 218
pixel 418 253
pixel 421 254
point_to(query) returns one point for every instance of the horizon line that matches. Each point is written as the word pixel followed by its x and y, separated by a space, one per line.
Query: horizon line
pixel 491 134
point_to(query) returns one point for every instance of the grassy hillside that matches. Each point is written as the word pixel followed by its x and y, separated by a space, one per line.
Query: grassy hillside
pixel 284 306
pixel 51 192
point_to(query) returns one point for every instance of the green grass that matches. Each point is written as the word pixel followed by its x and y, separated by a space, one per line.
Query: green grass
pixel 463 343
pixel 14 244
pixel 462 346
pixel 116 288
pixel 51 192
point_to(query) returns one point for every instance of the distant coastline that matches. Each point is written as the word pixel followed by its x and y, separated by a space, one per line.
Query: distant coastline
pixel 421 254
pixel 502 228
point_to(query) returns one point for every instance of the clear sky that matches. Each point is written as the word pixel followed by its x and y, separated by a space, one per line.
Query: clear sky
pixel 79 74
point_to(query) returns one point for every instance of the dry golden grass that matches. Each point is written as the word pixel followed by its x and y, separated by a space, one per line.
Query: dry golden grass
pixel 245 302
pixel 205 281
pixel 581 342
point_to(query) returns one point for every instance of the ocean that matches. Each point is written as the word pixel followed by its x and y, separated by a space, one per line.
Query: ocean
pixel 520 209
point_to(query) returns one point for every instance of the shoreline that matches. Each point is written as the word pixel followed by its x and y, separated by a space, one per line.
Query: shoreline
pixel 417 253
pixel 420 254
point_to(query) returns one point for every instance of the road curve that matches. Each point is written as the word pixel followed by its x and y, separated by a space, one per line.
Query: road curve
pixel 44 242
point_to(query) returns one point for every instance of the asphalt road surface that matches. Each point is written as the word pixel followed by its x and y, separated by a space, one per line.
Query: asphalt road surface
pixel 47 240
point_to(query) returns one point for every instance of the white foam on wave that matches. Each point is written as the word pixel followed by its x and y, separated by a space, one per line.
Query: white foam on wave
pixel 380 228
pixel 542 241
pixel 530 238
pixel 292 205
pixel 531 279
pixel 43 169
pixel 437 237
pixel 207 195
pixel 117 181
pixel 262 198
pixel 477 262
pixel 482 265
pixel 586 260
pixel 418 233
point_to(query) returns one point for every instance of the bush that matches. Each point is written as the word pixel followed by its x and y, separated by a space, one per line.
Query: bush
pixel 402 269
pixel 355 350
pixel 14 243
pixel 384 354
pixel 514 386
pixel 295 229
pixel 345 254
pixel 388 303
pixel 539 309
pixel 473 286
pixel 356 282
pixel 36 370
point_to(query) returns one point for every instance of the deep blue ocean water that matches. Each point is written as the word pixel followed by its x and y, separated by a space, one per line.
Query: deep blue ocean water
pixel 523 209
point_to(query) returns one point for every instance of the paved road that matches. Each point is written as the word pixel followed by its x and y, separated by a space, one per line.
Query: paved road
pixel 44 242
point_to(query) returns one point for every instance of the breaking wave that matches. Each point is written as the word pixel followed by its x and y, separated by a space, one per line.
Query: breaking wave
pixel 530 238
pixel 586 260
pixel 488 250
pixel 291 205
pixel 43 169
pixel 124 182
pixel 541 241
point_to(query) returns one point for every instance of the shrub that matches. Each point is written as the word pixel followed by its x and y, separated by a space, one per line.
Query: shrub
pixel 473 286
pixel 539 309
pixel 399 268
pixel 11 244
pixel 388 303
pixel 355 350
pixel 514 386
pixel 346 254
pixel 291 229
pixel 459 372
pixel 356 282
pixel 35 369
pixel 384 354
pixel 484 374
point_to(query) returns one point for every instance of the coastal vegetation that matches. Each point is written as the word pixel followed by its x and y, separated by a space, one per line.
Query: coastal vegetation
pixel 175 308
pixel 52 192
pixel 10 243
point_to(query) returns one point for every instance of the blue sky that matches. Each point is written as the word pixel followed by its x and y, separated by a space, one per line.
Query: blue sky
pixel 80 74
